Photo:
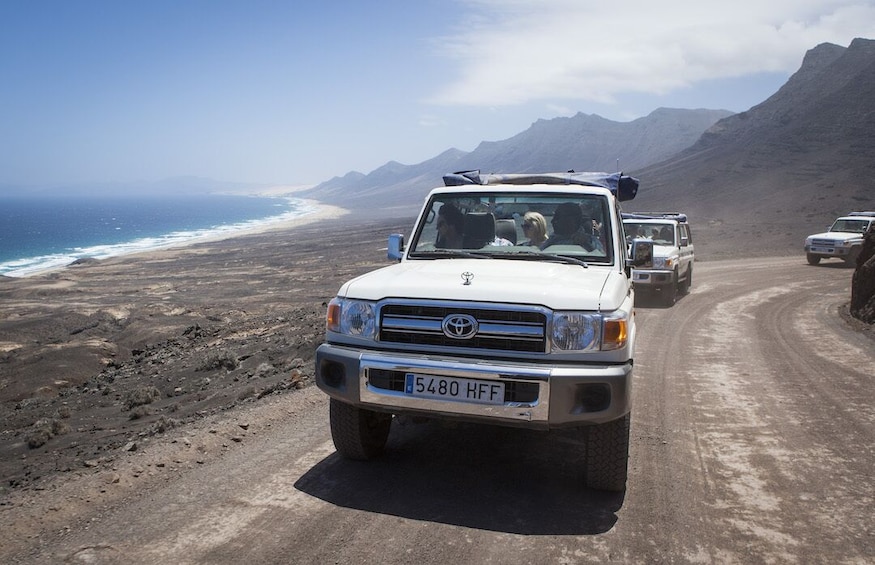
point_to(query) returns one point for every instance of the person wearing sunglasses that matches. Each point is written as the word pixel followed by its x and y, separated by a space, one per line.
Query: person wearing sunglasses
pixel 534 229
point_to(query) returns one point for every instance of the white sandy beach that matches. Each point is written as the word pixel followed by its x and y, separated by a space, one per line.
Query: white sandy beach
pixel 310 211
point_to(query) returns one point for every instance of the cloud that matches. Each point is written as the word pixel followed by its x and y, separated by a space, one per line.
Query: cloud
pixel 511 52
pixel 431 121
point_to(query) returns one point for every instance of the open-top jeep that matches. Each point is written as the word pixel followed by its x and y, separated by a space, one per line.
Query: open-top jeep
pixel 479 321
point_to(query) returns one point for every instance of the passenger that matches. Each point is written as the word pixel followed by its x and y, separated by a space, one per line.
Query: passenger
pixel 568 222
pixel 666 235
pixel 534 228
pixel 450 225
pixel 567 219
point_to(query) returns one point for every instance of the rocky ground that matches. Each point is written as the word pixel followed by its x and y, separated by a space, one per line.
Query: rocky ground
pixel 101 357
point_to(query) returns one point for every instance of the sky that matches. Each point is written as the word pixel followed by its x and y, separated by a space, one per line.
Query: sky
pixel 297 92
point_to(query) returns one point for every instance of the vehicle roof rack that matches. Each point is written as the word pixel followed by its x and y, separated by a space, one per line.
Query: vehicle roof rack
pixel 622 186
pixel 861 214
pixel 678 216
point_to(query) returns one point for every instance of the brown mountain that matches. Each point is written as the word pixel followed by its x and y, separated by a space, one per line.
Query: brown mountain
pixel 582 142
pixel 758 182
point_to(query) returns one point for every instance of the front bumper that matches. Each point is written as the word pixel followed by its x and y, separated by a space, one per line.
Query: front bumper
pixel 826 250
pixel 551 396
pixel 652 277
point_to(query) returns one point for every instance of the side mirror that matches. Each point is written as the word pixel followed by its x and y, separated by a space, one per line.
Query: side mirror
pixel 396 247
pixel 641 255
pixel 684 242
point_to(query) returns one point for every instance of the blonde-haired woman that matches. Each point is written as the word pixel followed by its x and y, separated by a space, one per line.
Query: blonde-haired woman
pixel 534 228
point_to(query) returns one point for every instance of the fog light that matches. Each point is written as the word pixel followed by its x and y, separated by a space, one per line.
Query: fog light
pixel 594 398
pixel 333 373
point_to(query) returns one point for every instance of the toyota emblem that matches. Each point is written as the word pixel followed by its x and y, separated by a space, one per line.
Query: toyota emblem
pixel 459 326
pixel 467 276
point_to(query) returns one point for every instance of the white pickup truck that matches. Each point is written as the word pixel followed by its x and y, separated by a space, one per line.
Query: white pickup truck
pixel 843 240
pixel 673 253
pixel 482 320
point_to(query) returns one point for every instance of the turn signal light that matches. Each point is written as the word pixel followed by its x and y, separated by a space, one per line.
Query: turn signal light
pixel 615 334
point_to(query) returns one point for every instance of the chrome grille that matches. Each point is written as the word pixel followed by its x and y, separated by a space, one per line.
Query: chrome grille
pixel 499 329
pixel 823 242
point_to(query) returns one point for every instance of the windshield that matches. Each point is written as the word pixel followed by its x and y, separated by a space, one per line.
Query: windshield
pixel 510 225
pixel 850 226
pixel 661 234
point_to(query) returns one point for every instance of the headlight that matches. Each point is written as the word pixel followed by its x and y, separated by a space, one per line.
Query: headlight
pixel 573 331
pixel 352 317
pixel 664 262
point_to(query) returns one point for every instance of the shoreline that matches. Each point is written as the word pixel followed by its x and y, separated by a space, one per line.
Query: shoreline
pixel 317 211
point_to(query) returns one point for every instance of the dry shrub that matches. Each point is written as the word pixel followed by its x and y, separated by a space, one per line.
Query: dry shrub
pixel 44 430
pixel 217 360
pixel 39 435
pixel 163 424
pixel 139 412
pixel 142 396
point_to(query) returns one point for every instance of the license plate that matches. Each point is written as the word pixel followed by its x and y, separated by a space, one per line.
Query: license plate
pixel 823 249
pixel 452 388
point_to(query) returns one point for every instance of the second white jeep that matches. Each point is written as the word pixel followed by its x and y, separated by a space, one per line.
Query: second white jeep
pixel 673 253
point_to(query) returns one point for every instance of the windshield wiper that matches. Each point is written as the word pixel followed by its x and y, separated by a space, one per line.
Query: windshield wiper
pixel 515 255
pixel 449 254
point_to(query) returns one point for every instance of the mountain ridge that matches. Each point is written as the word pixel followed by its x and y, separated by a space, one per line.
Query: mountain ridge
pixel 580 142
pixel 753 183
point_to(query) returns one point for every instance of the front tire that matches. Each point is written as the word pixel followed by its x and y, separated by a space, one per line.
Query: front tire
pixel 607 455
pixel 812 259
pixel 669 293
pixel 358 433
pixel 688 282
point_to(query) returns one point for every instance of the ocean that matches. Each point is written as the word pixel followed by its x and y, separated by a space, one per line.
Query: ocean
pixel 38 233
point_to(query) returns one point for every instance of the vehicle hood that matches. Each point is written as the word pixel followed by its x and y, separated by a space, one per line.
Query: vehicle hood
pixel 836 235
pixel 554 285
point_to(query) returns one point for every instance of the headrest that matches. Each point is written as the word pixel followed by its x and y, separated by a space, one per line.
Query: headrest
pixel 506 229
pixel 479 229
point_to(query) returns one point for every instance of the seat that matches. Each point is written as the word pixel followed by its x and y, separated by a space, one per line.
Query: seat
pixel 506 229
pixel 479 230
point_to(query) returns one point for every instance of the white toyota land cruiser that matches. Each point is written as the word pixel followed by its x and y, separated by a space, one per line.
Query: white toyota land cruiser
pixel 673 253
pixel 843 240
pixel 480 322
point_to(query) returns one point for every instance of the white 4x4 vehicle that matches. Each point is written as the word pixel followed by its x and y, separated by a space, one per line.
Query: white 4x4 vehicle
pixel 480 321
pixel 673 253
pixel 843 240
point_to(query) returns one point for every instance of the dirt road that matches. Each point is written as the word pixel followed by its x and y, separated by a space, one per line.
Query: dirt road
pixel 752 442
